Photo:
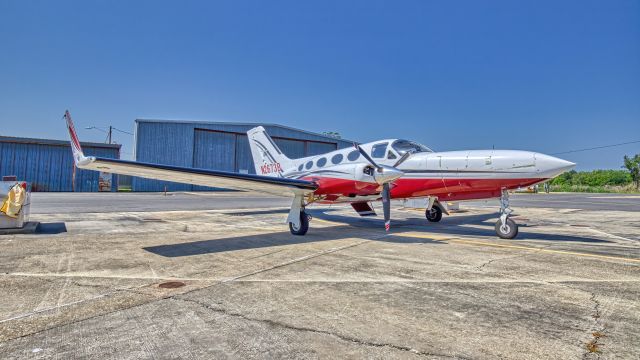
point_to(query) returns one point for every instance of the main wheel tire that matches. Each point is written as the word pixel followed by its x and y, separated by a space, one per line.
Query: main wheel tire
pixel 434 214
pixel 508 231
pixel 304 225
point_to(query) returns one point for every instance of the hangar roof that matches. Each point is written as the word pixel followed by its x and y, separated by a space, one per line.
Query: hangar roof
pixel 252 124
pixel 21 140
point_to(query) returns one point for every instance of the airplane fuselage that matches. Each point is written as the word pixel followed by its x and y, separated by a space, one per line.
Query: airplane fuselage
pixel 344 176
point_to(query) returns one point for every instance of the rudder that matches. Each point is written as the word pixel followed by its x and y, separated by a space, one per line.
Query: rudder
pixel 268 159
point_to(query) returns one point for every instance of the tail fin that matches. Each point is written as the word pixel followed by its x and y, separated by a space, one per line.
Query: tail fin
pixel 76 149
pixel 268 159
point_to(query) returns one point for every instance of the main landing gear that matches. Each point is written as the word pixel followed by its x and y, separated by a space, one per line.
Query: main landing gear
pixel 434 210
pixel 505 227
pixel 298 219
pixel 302 227
pixel 434 214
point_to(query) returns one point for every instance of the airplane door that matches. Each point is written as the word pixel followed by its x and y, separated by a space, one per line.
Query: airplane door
pixel 442 179
pixel 453 169
pixel 478 162
pixel 435 164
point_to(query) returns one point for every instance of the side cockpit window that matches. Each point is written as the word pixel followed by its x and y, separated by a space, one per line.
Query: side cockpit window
pixel 379 150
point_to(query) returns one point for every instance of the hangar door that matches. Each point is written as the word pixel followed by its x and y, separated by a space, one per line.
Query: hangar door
pixel 229 151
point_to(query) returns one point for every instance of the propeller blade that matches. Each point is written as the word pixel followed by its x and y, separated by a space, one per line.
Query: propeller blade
pixel 404 157
pixel 366 156
pixel 386 206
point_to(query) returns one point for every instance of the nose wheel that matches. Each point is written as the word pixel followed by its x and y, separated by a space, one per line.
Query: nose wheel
pixel 506 228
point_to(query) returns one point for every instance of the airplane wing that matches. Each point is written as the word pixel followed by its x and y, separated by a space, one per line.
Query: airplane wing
pixel 195 176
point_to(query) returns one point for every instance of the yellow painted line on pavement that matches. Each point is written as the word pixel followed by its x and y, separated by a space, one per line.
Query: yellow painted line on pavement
pixel 615 197
pixel 517 247
pixel 579 202
pixel 328 221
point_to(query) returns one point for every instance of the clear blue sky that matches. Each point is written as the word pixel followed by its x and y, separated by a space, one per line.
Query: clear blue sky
pixel 536 75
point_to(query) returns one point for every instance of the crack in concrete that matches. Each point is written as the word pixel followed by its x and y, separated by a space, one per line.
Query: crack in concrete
pixel 487 263
pixel 283 325
pixel 104 314
pixel 77 283
pixel 594 345
pixel 483 265
pixel 77 302
pixel 301 259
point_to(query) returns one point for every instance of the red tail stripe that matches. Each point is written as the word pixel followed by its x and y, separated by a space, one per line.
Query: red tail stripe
pixel 72 131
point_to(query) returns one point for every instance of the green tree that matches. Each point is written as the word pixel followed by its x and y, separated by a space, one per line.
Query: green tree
pixel 633 165
pixel 565 178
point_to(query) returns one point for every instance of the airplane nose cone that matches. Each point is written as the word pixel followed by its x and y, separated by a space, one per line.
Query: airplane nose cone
pixel 552 166
pixel 564 165
pixel 388 174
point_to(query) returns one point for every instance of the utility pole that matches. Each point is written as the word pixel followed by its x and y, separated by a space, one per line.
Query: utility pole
pixel 109 132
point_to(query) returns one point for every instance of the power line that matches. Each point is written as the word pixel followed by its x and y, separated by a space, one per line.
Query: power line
pixel 597 147
pixel 122 131
pixel 109 138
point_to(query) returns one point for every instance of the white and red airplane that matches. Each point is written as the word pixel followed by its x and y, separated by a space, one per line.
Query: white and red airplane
pixel 379 170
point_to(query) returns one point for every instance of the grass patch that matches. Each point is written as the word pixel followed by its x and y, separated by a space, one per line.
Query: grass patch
pixel 620 189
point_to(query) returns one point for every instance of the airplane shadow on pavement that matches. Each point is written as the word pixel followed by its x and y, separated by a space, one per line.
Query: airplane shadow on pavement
pixel 354 227
pixel 271 240
pixel 51 228
pixel 470 225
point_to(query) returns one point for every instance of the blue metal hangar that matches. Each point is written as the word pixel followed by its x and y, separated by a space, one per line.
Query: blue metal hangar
pixel 48 164
pixel 215 145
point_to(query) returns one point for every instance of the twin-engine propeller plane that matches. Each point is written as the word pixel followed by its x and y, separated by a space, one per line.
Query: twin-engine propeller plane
pixel 379 170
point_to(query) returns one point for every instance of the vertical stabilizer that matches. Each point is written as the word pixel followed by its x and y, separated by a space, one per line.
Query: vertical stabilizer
pixel 268 159
pixel 78 155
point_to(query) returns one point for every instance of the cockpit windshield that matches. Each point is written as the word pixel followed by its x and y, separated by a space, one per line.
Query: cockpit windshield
pixel 402 146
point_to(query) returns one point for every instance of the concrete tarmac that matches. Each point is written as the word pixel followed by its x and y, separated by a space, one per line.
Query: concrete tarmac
pixel 53 203
pixel 47 203
pixel 133 276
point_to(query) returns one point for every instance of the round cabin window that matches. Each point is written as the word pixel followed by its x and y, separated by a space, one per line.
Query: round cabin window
pixel 354 155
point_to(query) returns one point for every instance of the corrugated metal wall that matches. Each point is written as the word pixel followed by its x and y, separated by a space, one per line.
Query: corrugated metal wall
pixel 214 150
pixel 48 164
pixel 220 146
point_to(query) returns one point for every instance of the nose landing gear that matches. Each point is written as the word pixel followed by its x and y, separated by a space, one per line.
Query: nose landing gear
pixel 506 228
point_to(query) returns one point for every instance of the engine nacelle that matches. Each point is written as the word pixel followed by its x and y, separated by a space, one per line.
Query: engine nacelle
pixel 364 173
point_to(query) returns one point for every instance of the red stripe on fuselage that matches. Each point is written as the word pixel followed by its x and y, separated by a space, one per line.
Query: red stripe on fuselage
pixel 444 189
pixel 337 186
